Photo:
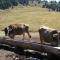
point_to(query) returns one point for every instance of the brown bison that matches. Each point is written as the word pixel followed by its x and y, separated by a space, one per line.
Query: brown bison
pixel 48 35
pixel 17 29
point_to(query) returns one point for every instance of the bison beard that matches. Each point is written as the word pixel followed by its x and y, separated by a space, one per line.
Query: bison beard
pixel 6 31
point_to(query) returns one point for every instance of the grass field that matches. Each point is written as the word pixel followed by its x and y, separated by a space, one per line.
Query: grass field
pixel 34 16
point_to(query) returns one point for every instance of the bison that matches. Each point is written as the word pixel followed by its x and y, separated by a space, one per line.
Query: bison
pixel 17 29
pixel 48 35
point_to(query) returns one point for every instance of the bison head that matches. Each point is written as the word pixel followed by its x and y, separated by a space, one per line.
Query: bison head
pixel 8 32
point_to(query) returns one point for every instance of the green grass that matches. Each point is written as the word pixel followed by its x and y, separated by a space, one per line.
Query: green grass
pixel 34 16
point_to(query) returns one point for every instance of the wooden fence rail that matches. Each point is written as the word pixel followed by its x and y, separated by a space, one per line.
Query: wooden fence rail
pixel 31 46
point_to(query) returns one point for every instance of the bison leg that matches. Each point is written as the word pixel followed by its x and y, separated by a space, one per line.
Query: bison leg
pixel 27 31
pixel 41 38
pixel 29 35
pixel 11 36
pixel 23 36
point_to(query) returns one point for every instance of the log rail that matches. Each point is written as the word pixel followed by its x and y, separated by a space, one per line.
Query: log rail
pixel 32 46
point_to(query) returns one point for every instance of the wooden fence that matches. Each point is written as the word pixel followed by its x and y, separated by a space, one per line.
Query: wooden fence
pixel 21 47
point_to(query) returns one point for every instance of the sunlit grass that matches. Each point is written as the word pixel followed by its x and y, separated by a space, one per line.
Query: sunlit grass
pixel 34 16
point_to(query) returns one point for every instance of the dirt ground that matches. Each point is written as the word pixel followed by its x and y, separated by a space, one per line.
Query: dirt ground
pixel 7 55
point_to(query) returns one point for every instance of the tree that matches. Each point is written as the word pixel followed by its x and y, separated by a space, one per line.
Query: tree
pixel 58 6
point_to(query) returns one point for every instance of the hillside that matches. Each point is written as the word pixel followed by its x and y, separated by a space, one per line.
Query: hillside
pixel 34 16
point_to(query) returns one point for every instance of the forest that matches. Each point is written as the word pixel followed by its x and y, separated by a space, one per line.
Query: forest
pixel 52 5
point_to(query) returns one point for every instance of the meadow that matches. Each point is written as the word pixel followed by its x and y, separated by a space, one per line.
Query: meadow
pixel 34 16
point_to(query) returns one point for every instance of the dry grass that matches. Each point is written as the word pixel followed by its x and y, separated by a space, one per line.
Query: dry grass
pixel 35 16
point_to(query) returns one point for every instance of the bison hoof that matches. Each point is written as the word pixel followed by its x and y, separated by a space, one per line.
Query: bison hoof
pixel 30 36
